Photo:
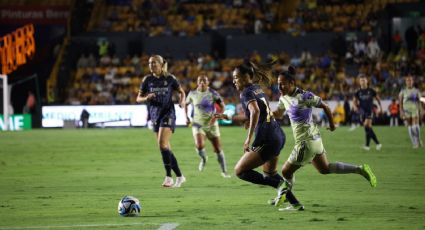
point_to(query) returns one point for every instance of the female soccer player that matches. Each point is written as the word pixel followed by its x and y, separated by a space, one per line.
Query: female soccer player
pixel 410 110
pixel 157 89
pixel 308 143
pixel 363 103
pixel 269 138
pixel 204 124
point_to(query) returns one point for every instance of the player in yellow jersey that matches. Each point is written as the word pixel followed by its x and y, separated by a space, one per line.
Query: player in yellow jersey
pixel 410 110
pixel 204 125
pixel 308 148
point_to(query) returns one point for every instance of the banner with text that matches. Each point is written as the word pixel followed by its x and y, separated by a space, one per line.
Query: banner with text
pixel 17 122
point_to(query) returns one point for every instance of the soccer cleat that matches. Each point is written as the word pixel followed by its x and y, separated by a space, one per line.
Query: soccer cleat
pixel 367 173
pixel 225 175
pixel 283 188
pixel 420 143
pixel 378 147
pixel 168 182
pixel 202 164
pixel 293 207
pixel 367 148
pixel 273 201
pixel 179 181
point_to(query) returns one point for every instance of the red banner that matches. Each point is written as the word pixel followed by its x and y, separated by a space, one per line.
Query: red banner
pixel 13 15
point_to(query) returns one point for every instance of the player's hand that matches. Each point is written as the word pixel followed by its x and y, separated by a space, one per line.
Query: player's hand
pixel 246 124
pixel 188 121
pixel 246 145
pixel 220 116
pixel 182 104
pixel 212 121
pixel 150 96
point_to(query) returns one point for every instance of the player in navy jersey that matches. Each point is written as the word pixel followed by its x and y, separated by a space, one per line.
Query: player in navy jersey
pixel 269 138
pixel 156 90
pixel 363 104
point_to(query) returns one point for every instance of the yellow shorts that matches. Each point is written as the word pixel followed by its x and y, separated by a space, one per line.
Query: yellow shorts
pixel 208 131
pixel 304 152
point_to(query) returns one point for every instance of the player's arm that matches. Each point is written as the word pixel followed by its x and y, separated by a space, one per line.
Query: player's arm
pixel 356 104
pixel 186 112
pixel 328 113
pixel 182 96
pixel 278 113
pixel 142 98
pixel 378 99
pixel 254 110
pixel 400 99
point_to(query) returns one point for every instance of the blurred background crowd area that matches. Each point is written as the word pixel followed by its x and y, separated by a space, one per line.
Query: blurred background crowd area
pixel 191 18
pixel 109 79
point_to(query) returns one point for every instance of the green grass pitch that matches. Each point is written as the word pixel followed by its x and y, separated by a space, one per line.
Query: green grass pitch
pixel 54 179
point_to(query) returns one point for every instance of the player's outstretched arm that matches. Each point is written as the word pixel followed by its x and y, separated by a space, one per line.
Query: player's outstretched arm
pixel 182 96
pixel 328 113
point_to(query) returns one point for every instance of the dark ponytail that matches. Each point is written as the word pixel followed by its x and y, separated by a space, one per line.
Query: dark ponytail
pixel 259 73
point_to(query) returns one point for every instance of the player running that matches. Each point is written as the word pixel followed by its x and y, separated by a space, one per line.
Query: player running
pixel 410 110
pixel 269 138
pixel 363 103
pixel 157 90
pixel 203 122
pixel 308 143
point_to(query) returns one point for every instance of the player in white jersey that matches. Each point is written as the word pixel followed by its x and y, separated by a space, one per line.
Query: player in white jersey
pixel 204 125
pixel 410 110
pixel 308 148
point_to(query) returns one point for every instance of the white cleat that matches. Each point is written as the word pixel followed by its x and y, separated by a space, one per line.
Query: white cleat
pixel 202 164
pixel 367 148
pixel 378 147
pixel 225 175
pixel 168 182
pixel 290 207
pixel 179 181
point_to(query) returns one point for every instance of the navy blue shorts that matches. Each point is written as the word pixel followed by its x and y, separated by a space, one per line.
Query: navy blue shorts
pixel 365 114
pixel 269 140
pixel 164 122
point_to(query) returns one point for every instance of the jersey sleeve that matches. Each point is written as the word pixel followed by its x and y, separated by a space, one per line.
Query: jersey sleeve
pixel 247 96
pixel 373 93
pixel 216 96
pixel 356 95
pixel 280 104
pixel 310 99
pixel 189 98
pixel 174 83
pixel 400 94
pixel 144 85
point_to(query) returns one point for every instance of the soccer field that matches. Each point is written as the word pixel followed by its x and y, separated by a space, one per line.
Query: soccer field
pixel 54 179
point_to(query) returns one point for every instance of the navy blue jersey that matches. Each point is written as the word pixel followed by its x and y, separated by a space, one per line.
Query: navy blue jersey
pixel 162 104
pixel 269 137
pixel 255 93
pixel 365 97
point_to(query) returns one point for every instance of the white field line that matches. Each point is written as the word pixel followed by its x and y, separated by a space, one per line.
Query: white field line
pixel 163 226
pixel 168 226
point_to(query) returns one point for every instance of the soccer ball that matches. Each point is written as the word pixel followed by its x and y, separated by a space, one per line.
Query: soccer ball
pixel 129 206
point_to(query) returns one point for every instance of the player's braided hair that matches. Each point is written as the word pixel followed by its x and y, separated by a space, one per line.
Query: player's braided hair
pixel 259 73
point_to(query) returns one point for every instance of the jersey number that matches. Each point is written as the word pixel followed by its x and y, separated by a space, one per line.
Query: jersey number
pixel 269 114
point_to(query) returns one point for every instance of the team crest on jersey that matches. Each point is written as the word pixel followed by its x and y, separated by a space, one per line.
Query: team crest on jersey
pixel 165 83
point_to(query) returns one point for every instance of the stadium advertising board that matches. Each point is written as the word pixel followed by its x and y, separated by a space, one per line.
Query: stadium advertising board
pixel 107 115
pixel 17 122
